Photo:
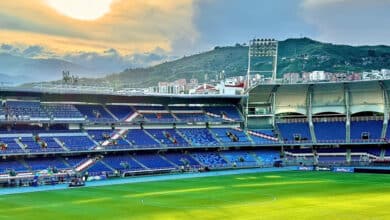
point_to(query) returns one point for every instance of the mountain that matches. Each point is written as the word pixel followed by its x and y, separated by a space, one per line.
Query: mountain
pixel 294 55
pixel 304 54
pixel 17 69
pixel 10 80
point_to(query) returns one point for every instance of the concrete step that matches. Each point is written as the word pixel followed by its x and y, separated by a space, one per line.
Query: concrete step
pixel 109 112
pixel 141 164
pixel 61 144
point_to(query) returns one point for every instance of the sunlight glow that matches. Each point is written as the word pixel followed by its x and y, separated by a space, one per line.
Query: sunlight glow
pixel 81 9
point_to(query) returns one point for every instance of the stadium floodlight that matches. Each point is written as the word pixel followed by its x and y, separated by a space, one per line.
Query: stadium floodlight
pixel 263 48
pixel 260 48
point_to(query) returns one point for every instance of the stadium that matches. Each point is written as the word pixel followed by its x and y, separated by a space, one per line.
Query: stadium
pixel 176 109
pixel 304 148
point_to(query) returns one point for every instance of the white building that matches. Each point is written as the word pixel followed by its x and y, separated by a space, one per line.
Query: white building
pixel 317 76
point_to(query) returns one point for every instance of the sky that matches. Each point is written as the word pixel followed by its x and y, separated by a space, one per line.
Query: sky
pixel 111 35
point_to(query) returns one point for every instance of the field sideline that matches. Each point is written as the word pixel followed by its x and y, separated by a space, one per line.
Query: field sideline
pixel 274 195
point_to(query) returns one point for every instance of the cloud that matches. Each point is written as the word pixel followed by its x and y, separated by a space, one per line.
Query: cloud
pixel 17 68
pixel 81 9
pixel 90 63
pixel 226 22
pixel 147 59
pixel 349 21
pixel 135 26
pixel 110 60
pixel 105 62
pixel 141 33
pixel 6 47
pixel 33 51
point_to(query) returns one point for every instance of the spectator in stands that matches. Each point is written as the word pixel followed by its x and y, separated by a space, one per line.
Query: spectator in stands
pixel 106 136
pixel 3 146
pixel 36 138
pixel 43 145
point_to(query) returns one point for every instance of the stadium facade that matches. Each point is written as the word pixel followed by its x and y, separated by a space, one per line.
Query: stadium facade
pixel 57 134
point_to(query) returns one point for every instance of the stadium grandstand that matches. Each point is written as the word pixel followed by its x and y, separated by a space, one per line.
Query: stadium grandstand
pixel 325 124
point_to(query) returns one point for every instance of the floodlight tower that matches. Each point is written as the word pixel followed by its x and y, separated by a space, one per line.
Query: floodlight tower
pixel 262 48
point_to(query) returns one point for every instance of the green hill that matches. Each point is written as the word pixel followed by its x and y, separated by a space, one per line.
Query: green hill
pixel 295 55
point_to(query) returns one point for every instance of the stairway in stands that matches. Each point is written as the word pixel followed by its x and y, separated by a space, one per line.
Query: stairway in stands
pixel 119 133
pixel 259 134
pixel 215 137
pixel 86 164
pixel 110 113
pixel 212 115
pixel 132 117
pixel 115 136
pixel 61 144
pixel 155 139
pixel 184 137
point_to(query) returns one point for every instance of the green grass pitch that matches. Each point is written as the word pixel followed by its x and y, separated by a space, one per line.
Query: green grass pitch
pixel 274 195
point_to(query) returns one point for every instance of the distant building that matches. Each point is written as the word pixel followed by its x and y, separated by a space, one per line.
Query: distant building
pixel 374 74
pixel 205 89
pixel 385 73
pixel 162 87
pixel 232 86
pixel 176 87
pixel 354 77
pixel 194 81
pixel 318 76
pixel 291 77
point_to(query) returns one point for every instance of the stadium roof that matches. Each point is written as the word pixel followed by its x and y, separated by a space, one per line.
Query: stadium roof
pixel 270 86
pixel 111 97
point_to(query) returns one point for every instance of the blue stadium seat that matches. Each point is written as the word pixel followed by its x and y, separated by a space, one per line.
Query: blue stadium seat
pixel 12 164
pixel 95 113
pixel 39 163
pixel 228 111
pixel 159 117
pixel 291 131
pixel 230 136
pixel 26 110
pixel 192 117
pixel 330 131
pixel 199 136
pixel 240 158
pixel 376 151
pixel 153 161
pixel 332 159
pixel 263 140
pixel 73 161
pixel 32 145
pixel 12 146
pixel 210 159
pixel 63 111
pixel 52 145
pixel 138 138
pixel 168 137
pixel 120 111
pixel 76 143
pixel 101 136
pixel 372 128
pixel 267 157
pixel 122 163
pixel 182 159
pixel 98 168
